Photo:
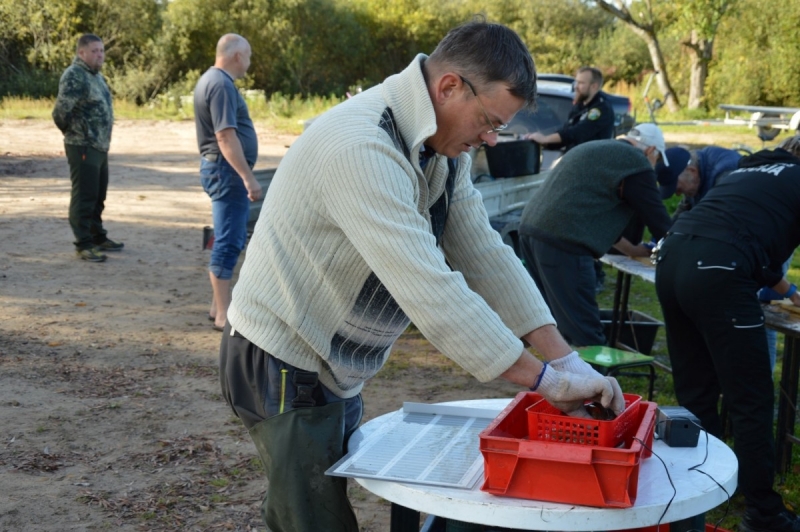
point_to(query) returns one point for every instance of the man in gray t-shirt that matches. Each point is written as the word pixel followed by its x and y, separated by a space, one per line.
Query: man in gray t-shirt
pixel 228 148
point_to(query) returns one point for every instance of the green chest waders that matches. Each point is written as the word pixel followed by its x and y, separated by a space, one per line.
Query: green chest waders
pixel 296 448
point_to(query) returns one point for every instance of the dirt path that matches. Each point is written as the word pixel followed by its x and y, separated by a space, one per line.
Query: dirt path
pixel 110 411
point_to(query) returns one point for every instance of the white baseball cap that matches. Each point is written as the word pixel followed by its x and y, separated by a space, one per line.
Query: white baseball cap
pixel 649 135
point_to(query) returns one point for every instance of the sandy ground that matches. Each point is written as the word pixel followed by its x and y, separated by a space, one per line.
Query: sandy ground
pixel 110 411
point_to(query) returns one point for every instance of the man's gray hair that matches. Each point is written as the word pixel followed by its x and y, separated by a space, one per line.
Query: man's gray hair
pixel 792 145
pixel 229 44
pixel 487 53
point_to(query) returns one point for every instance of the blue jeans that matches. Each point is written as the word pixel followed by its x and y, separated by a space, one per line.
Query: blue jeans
pixel 772 335
pixel 230 210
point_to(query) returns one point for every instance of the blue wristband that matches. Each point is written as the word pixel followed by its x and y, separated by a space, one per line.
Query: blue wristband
pixel 539 378
pixel 791 291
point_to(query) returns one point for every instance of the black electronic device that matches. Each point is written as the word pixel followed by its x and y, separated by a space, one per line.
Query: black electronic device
pixel 514 158
pixel 677 427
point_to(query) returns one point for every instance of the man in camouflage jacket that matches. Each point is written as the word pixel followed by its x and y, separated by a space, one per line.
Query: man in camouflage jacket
pixel 84 114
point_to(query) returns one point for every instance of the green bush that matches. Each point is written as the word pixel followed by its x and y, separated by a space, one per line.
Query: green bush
pixel 28 83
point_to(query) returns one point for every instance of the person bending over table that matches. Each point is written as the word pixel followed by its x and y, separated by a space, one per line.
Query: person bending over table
pixel 580 212
pixel 708 271
pixel 591 118
pixel 692 174
pixel 371 222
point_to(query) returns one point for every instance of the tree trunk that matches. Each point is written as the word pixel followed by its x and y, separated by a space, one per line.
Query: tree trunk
pixel 702 50
pixel 662 78
pixel 646 31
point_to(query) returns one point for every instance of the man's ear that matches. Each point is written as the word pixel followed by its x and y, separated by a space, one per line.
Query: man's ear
pixel 648 152
pixel 447 87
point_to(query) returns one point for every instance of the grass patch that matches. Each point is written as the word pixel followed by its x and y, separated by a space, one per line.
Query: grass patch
pixel 221 482
pixel 24 108
pixel 286 114
pixel 283 114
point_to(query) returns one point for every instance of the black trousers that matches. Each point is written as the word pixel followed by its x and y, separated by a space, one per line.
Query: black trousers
pixel 718 344
pixel 567 283
pixel 88 172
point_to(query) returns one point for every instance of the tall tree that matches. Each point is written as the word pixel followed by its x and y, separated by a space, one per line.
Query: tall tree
pixel 644 23
pixel 701 20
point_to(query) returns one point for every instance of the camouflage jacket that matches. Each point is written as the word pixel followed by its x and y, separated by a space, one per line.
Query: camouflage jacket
pixel 83 109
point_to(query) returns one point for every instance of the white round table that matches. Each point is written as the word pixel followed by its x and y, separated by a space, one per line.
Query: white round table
pixel 696 492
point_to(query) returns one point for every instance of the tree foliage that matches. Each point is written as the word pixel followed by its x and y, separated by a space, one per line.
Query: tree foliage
pixel 324 47
pixel 698 22
pixel 758 63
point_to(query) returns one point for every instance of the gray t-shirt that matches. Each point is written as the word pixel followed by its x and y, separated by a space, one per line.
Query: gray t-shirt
pixel 217 106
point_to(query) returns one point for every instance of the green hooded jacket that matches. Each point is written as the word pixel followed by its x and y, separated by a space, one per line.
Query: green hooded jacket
pixel 83 109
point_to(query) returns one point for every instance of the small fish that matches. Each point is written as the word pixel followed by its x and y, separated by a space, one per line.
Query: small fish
pixel 599 412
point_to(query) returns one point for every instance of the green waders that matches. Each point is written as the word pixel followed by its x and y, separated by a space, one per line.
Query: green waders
pixel 296 448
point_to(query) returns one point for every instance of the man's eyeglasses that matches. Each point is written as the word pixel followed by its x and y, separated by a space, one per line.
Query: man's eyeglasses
pixel 494 129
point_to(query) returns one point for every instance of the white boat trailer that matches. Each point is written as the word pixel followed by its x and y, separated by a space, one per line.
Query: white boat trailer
pixel 769 121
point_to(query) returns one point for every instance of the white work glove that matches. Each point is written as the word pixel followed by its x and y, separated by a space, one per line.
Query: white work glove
pixel 573 363
pixel 569 391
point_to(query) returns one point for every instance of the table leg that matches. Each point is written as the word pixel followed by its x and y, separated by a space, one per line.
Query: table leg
pixel 615 311
pixel 787 405
pixel 626 292
pixel 693 524
pixel 403 519
pixel 620 311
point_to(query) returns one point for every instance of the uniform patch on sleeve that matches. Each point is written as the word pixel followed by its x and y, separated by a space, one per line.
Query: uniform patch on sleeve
pixel 593 114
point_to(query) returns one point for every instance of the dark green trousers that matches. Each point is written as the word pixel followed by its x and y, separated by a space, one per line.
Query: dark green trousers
pixel 88 172
pixel 296 448
pixel 296 444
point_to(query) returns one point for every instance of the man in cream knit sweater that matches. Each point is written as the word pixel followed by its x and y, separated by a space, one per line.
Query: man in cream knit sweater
pixel 370 222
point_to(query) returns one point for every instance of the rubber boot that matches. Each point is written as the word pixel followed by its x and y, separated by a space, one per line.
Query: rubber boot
pixel 296 448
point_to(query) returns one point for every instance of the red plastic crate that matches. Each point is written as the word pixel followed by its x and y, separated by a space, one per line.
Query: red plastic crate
pixel 664 527
pixel 590 475
pixel 546 422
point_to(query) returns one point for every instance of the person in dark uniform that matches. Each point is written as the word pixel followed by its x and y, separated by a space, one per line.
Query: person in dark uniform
pixel 591 117
pixel 708 271
pixel 691 175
